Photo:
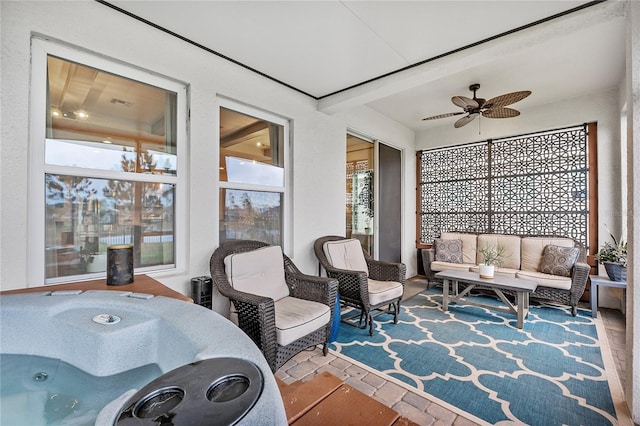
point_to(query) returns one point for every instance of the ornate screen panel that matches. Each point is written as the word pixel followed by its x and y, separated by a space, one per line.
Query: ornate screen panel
pixel 533 184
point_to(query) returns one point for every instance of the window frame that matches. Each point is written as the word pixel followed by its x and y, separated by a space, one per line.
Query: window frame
pixel 285 190
pixel 40 50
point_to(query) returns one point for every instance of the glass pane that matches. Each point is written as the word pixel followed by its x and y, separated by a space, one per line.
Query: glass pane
pixel 251 150
pixel 99 120
pixel 359 191
pixel 251 215
pixel 85 215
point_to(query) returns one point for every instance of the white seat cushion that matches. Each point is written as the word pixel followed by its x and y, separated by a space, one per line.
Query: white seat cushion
pixel 346 254
pixel 441 266
pixel 296 318
pixel 503 272
pixel 383 291
pixel 258 272
pixel 546 280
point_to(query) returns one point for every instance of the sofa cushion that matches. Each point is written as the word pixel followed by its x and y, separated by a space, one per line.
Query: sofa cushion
pixel 511 244
pixel 448 250
pixel 558 260
pixel 546 280
pixel 441 266
pixel 258 272
pixel 346 254
pixel 383 291
pixel 532 248
pixel 469 244
pixel 296 318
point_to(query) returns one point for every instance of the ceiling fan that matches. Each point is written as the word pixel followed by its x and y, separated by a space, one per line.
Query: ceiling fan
pixel 492 108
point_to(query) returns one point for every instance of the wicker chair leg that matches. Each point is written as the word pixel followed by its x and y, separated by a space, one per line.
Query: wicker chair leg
pixel 370 320
pixel 325 349
pixel 574 310
pixel 397 310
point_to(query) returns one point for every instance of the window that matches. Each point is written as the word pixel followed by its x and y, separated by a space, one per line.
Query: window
pixel 107 163
pixel 252 175
pixel 533 184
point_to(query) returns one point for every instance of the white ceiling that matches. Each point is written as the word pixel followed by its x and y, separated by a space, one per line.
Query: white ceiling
pixel 322 48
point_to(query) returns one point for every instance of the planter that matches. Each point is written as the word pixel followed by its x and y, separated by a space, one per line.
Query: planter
pixel 486 271
pixel 615 271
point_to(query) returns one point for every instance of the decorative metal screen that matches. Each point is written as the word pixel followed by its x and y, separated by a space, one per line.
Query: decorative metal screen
pixel 534 184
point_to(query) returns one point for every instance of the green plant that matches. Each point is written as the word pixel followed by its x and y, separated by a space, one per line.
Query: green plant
pixel 491 254
pixel 615 252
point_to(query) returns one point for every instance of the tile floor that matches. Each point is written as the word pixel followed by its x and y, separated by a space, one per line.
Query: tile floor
pixel 307 364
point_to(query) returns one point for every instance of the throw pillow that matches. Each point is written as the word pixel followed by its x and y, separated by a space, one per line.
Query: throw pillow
pixel 448 250
pixel 558 260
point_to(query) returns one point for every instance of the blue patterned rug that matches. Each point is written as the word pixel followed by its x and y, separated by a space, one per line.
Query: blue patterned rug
pixel 476 360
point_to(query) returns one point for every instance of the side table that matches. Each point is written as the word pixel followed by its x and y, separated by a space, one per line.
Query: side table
pixel 600 281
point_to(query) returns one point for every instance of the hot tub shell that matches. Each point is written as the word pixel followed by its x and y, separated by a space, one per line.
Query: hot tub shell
pixel 151 330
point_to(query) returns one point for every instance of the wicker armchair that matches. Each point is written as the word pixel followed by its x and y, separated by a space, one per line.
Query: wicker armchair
pixel 257 315
pixel 381 290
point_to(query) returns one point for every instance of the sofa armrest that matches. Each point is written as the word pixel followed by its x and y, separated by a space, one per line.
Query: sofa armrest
pixel 579 281
pixel 428 256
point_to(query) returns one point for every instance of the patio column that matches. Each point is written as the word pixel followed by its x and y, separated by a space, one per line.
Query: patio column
pixel 633 217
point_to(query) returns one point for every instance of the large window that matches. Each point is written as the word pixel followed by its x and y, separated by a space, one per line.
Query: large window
pixel 252 175
pixel 534 184
pixel 107 162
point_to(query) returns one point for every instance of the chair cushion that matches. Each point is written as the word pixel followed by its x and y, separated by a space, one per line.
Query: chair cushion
pixel 448 250
pixel 558 260
pixel 296 318
pixel 546 280
pixel 346 254
pixel 384 291
pixel 258 272
pixel 532 248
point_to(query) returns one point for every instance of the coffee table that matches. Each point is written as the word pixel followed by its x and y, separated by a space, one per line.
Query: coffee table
pixel 522 288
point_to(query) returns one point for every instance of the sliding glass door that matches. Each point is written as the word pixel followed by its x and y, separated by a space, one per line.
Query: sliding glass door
pixel 374 197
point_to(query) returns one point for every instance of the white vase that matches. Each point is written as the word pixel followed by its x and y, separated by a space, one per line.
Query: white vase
pixel 486 271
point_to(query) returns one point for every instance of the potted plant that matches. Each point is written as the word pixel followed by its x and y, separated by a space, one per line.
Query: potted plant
pixel 614 258
pixel 491 257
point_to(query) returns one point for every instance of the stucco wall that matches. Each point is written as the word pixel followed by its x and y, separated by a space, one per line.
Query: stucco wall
pixel 318 147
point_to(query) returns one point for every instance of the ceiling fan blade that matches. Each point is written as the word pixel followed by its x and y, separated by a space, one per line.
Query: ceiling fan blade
pixel 464 102
pixel 465 120
pixel 501 113
pixel 506 99
pixel 449 114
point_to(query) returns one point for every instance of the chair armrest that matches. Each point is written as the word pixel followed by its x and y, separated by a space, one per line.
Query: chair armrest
pixel 352 285
pixel 387 271
pixel 309 287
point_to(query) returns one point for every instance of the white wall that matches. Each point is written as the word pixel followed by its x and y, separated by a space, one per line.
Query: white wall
pixel 604 108
pixel 318 140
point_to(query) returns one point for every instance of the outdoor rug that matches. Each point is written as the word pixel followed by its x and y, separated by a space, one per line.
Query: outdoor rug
pixel 473 359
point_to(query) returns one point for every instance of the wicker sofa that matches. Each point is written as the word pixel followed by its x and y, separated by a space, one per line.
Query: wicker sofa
pixel 525 257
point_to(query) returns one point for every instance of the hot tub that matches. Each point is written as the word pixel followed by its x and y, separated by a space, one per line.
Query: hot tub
pixel 110 357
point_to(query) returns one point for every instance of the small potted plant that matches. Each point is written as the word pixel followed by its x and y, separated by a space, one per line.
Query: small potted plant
pixel 491 257
pixel 614 258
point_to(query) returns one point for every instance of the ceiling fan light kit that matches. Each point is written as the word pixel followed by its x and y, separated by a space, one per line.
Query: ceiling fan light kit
pixel 492 108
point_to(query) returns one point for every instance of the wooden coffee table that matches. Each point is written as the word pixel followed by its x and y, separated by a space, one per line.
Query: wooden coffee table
pixel 522 289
